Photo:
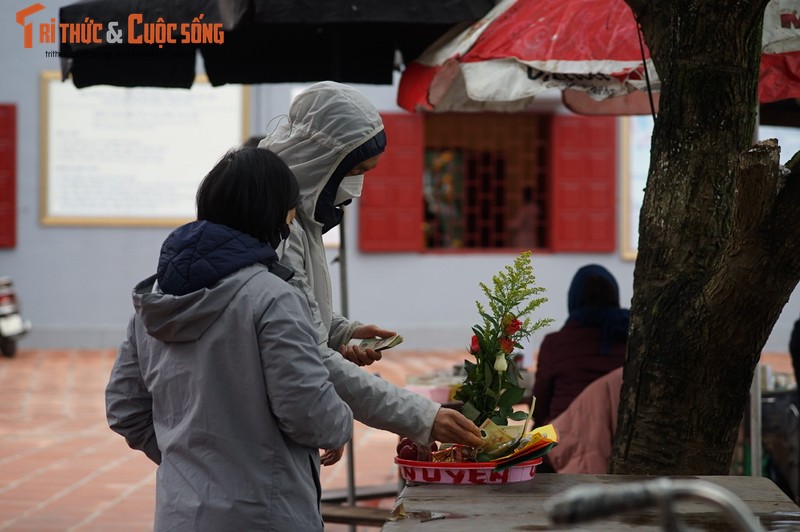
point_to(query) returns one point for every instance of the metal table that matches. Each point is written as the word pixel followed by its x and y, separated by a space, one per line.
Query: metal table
pixel 521 506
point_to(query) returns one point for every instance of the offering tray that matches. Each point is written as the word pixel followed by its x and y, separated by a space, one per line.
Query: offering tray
pixel 414 471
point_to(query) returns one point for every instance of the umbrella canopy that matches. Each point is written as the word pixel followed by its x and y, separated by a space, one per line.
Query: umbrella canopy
pixel 589 49
pixel 253 41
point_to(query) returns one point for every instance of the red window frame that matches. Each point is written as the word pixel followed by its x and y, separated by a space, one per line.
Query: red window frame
pixel 582 187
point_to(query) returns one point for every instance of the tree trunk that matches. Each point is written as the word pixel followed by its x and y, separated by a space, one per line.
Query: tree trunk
pixel 719 245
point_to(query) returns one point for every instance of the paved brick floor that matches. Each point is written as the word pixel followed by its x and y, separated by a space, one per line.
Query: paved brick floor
pixel 62 469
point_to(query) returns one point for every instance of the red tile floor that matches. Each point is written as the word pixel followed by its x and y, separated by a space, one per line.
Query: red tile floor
pixel 62 469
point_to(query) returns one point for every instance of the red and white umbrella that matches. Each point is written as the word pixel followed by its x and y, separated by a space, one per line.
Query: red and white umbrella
pixel 588 48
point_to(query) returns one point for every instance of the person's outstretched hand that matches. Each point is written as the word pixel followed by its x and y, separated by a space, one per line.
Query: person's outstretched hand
pixel 450 426
pixel 358 356
pixel 365 357
pixel 331 456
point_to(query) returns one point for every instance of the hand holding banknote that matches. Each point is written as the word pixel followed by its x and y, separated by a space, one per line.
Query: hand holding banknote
pixel 367 343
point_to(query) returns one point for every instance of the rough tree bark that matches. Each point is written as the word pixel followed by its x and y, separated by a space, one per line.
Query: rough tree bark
pixel 719 246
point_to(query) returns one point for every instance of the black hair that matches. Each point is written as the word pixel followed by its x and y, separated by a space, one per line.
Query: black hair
pixel 250 190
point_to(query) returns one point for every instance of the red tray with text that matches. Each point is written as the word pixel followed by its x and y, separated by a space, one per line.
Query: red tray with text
pixel 464 472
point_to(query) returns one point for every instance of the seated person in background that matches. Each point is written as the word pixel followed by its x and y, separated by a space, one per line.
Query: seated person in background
pixel 586 428
pixel 590 344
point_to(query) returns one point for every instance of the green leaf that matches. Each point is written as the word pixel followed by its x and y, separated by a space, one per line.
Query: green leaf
pixel 500 420
pixel 503 411
pixel 470 412
pixel 519 415
pixel 512 396
pixel 488 318
pixel 496 299
pixel 488 369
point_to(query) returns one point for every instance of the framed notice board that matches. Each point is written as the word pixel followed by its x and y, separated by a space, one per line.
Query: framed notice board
pixel 113 156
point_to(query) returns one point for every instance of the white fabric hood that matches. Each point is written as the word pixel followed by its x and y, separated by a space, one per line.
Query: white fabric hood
pixel 327 121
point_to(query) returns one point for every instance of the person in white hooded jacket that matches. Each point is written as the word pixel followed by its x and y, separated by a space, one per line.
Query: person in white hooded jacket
pixel 332 137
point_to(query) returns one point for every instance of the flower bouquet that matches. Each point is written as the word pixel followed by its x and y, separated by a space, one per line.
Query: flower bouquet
pixel 492 385
pixel 489 392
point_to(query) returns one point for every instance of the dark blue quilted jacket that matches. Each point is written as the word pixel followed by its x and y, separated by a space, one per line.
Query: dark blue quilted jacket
pixel 200 253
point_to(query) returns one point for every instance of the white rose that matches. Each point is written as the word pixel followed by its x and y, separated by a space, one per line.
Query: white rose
pixel 500 364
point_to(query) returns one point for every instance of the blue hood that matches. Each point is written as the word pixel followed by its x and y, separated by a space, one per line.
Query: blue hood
pixel 200 253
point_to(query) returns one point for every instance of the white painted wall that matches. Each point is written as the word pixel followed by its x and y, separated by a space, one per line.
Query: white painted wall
pixel 74 283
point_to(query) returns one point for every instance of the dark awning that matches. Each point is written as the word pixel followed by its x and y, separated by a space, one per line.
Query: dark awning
pixel 264 41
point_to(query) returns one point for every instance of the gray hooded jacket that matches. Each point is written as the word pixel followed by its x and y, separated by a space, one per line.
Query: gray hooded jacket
pixel 327 122
pixel 224 388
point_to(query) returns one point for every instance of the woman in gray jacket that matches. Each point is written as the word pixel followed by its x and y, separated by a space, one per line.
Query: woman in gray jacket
pixel 333 136
pixel 220 380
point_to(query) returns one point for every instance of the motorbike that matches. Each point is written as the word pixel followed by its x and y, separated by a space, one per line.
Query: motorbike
pixel 12 326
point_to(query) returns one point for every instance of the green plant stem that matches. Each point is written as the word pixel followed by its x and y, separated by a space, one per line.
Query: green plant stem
pixel 499 389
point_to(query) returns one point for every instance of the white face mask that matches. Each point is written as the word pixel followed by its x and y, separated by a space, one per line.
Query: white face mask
pixel 350 188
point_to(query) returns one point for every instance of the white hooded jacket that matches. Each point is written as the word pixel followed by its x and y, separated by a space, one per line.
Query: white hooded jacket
pixel 327 122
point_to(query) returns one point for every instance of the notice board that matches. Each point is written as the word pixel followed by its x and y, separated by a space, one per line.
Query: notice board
pixel 114 156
